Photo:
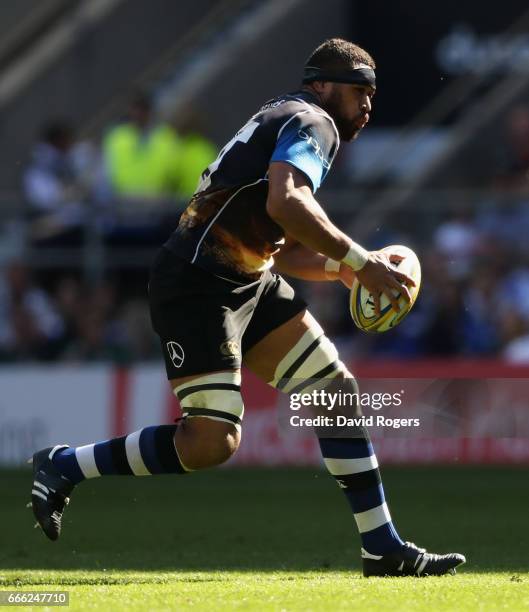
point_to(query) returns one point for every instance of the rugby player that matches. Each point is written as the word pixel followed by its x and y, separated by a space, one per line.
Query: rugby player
pixel 218 301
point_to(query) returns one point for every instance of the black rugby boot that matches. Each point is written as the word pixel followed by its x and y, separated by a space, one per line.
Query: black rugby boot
pixel 410 561
pixel 49 493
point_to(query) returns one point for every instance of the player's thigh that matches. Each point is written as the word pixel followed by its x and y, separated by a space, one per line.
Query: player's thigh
pixel 212 408
pixel 294 355
pixel 200 320
pixel 284 344
pixel 265 356
pixel 214 399
pixel 279 320
pixel 198 317
pixel 297 357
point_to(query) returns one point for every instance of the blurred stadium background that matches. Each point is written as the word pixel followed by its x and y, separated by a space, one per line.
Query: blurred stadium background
pixel 87 197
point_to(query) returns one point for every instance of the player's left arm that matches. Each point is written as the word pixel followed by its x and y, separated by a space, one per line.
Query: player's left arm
pixel 298 261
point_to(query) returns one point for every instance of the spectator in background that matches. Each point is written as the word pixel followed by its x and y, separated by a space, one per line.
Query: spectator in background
pixel 142 157
pixel 458 241
pixel 515 335
pixel 55 185
pixel 444 336
pixel 512 166
pixel 197 153
pixel 512 292
pixel 69 301
pixel 30 326
pixel 480 321
pixel 139 341
pixel 150 162
pixel 503 222
pixel 97 335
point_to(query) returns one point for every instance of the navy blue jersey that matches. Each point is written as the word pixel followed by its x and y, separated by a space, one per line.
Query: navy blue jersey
pixel 226 229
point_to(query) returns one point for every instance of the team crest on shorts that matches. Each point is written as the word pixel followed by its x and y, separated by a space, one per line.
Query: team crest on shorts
pixel 176 353
pixel 230 348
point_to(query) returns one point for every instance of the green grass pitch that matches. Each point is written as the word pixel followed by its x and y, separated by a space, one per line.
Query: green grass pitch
pixel 269 540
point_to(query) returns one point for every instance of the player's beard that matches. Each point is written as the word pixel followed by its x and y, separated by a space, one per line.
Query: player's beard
pixel 347 128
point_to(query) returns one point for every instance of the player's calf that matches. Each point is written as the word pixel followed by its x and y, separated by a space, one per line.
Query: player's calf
pixel 351 460
pixel 353 463
pixel 208 435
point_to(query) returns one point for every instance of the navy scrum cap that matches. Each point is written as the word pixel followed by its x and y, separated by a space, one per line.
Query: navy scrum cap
pixel 361 75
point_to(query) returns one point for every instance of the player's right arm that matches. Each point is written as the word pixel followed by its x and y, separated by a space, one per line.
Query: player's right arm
pixel 292 205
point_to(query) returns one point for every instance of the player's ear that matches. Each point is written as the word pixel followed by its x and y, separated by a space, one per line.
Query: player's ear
pixel 322 88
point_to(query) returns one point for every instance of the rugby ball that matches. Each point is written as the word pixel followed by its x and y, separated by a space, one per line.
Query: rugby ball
pixel 362 304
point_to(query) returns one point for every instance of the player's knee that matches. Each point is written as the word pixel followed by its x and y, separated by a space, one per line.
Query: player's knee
pixel 213 407
pixel 202 442
pixel 346 384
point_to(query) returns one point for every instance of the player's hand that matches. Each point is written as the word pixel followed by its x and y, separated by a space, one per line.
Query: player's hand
pixel 380 276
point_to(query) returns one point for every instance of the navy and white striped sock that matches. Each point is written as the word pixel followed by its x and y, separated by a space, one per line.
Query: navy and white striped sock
pixel 353 463
pixel 148 451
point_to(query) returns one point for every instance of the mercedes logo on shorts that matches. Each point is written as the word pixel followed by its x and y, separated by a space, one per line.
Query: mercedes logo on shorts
pixel 176 353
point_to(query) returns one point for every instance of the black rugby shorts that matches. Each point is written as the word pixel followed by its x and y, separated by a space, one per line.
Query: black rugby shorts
pixel 205 323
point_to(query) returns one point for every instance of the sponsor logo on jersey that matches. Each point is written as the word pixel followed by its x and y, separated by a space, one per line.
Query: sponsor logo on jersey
pixel 273 104
pixel 316 146
pixel 176 353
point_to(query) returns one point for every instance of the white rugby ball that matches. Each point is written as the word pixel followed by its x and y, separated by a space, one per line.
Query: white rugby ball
pixel 362 304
